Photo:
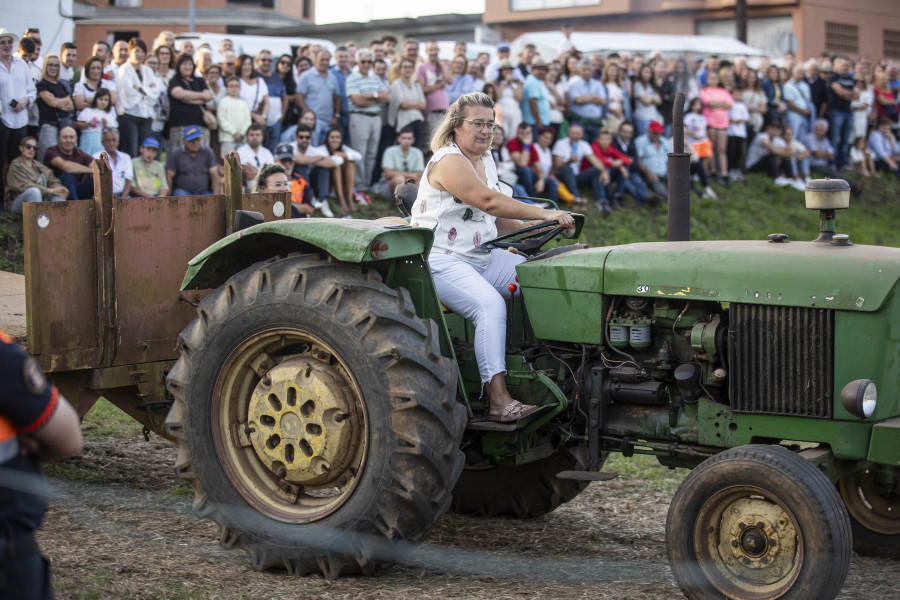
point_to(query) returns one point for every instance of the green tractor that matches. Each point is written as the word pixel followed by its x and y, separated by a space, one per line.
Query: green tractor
pixel 329 411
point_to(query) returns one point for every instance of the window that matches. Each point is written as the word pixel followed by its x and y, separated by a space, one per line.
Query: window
pixel 307 9
pixel 891 44
pixel 841 38
pixel 516 5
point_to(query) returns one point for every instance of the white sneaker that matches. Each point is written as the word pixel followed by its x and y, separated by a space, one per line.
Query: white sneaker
pixel 797 184
pixel 709 194
pixel 782 181
pixel 325 208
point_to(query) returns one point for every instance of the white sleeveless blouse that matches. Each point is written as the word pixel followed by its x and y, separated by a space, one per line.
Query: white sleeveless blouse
pixel 459 228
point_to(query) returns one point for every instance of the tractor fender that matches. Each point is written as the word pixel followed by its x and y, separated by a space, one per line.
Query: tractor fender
pixel 347 240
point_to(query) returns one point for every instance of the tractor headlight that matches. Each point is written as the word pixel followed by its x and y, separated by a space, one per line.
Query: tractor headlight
pixel 859 398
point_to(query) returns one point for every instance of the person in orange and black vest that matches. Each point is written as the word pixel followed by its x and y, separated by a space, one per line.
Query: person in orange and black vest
pixel 302 198
pixel 36 423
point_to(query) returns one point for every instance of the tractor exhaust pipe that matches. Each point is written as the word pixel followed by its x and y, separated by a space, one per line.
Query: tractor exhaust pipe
pixel 679 169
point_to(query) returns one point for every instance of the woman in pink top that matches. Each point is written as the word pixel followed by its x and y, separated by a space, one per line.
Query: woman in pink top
pixel 716 102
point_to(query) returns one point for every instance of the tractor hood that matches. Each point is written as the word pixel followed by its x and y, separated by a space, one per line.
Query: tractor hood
pixel 757 272
pixel 753 272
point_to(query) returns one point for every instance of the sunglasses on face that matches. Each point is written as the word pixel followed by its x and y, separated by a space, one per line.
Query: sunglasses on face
pixel 29 146
pixel 303 137
pixel 365 62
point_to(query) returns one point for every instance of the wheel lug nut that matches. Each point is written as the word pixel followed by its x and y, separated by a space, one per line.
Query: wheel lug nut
pixel 742 525
pixel 734 543
pixel 760 524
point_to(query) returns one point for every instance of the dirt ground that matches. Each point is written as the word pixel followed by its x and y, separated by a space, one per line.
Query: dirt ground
pixel 122 528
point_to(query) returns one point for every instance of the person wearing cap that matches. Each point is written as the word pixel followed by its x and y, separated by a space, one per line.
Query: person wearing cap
pixel 652 151
pixel 36 423
pixel 302 197
pixel 535 102
pixel 149 173
pixel 587 100
pixel 119 163
pixel 192 169
pixel 17 93
pixel 492 71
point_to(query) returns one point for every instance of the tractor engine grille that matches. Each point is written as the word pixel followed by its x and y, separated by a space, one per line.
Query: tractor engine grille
pixel 781 360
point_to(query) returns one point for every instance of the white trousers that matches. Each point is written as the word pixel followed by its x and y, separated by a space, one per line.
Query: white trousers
pixel 478 293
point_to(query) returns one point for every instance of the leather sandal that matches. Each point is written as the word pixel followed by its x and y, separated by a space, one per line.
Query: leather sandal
pixel 515 411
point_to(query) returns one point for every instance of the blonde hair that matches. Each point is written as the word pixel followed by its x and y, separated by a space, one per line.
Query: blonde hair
pixel 445 132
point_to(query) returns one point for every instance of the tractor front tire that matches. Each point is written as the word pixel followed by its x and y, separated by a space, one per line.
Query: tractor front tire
pixel 315 416
pixel 758 521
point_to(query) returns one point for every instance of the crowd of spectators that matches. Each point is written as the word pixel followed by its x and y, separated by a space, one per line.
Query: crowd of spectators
pixel 567 128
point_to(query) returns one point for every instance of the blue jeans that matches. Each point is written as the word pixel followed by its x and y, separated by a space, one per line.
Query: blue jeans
pixel 641 126
pixel 573 181
pixel 799 124
pixel 526 180
pixel 274 136
pixel 78 191
pixel 183 192
pixel 132 133
pixel 551 189
pixel 318 177
pixel 636 186
pixel 840 128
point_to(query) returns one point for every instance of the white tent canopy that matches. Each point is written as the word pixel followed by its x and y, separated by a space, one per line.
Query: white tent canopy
pixel 548 43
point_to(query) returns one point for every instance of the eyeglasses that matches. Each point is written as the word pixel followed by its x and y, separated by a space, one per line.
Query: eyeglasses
pixel 303 137
pixel 265 60
pixel 284 63
pixel 478 124
pixel 30 146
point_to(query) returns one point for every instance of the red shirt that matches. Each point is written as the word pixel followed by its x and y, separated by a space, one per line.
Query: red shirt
pixel 77 156
pixel 515 145
pixel 607 156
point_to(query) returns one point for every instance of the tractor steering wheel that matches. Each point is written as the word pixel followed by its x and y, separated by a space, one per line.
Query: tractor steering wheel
pixel 529 243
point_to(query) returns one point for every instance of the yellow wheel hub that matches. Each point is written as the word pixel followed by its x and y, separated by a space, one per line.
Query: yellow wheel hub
pixel 750 543
pixel 302 423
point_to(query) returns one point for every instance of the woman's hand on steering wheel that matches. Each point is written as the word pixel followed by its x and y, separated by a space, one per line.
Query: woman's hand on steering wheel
pixel 563 218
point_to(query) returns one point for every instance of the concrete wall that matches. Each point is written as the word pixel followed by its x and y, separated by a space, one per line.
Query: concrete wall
pixel 45 15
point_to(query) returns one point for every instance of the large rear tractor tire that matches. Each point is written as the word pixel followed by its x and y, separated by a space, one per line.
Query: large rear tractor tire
pixel 524 492
pixel 758 522
pixel 873 500
pixel 316 418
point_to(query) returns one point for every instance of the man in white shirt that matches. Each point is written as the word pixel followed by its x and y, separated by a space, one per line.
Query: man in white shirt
pixel 768 153
pixel 568 154
pixel 253 154
pixel 314 164
pixel 119 162
pixel 17 93
pixel 68 56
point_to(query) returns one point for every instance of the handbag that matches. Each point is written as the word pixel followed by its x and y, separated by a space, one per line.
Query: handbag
pixel 209 119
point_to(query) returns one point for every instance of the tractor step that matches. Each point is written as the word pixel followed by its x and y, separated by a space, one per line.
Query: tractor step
pixel 488 425
pixel 586 475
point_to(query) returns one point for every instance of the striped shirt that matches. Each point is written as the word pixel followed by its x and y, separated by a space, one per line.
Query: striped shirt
pixel 365 84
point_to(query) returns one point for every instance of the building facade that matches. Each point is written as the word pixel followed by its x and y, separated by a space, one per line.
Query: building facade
pixel 112 20
pixel 807 27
